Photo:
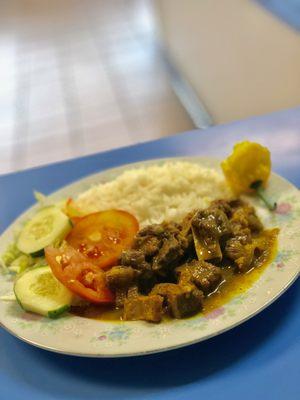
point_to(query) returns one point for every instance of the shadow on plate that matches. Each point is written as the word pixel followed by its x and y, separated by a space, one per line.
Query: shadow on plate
pixel 160 371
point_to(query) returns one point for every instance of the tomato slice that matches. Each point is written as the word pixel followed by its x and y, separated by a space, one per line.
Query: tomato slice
pixel 78 274
pixel 102 236
pixel 72 211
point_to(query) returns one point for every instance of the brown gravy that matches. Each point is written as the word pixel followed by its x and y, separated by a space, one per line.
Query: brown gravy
pixel 233 285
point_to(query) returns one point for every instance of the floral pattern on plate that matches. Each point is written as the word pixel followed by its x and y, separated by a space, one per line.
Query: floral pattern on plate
pixel 75 335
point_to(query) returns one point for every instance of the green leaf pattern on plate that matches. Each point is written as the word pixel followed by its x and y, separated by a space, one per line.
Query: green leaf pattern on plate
pixel 90 337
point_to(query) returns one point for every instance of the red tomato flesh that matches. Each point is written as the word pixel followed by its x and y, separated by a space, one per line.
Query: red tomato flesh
pixel 102 236
pixel 78 274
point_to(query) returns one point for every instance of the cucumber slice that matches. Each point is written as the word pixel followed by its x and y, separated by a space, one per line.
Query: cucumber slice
pixel 48 226
pixel 38 290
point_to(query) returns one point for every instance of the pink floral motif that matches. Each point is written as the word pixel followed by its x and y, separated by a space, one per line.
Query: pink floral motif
pixel 280 265
pixel 215 313
pixel 283 208
pixel 102 337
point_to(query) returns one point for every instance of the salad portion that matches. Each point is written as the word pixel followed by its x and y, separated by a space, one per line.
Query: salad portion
pixel 60 259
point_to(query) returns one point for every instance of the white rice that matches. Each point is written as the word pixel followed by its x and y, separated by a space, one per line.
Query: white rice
pixel 157 193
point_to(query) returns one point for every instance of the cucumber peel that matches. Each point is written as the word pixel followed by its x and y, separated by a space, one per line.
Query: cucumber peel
pixel 47 227
pixel 57 313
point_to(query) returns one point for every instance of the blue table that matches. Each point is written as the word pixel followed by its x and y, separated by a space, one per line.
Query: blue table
pixel 286 10
pixel 259 359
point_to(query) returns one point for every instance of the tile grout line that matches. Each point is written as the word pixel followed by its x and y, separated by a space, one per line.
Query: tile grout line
pixel 128 125
pixel 21 120
pixel 71 105
pixel 132 125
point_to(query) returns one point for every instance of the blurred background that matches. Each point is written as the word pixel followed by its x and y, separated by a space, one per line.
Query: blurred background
pixel 78 77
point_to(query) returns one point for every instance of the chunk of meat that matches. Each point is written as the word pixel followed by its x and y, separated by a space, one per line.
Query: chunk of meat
pixel 169 255
pixel 120 297
pixel 171 228
pixel 244 218
pixel 133 291
pixel 248 254
pixel 132 258
pixel 162 245
pixel 148 242
pixel 236 203
pixel 204 275
pixel 240 232
pixel 187 222
pixel 240 252
pixel 125 293
pixel 254 223
pixel 209 226
pixel 146 308
pixel 135 259
pixel 241 247
pixel 120 277
pixel 211 222
pixel 149 245
pixel 147 279
pixel 244 263
pixel 223 205
pixel 152 230
pixel 186 232
pixel 234 248
pixel 181 301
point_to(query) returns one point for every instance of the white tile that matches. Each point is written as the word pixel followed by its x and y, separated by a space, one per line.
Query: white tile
pixel 7 88
pixel 82 48
pixel 99 113
pixel 7 135
pixel 8 56
pixel 7 111
pixel 45 101
pixel 48 149
pixel 108 135
pixel 56 125
pixel 132 58
pixel 92 84
pixel 158 120
pixel 43 58
pixel 141 90
pixel 46 76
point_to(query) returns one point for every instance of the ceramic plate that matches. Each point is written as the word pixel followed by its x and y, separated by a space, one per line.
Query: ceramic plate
pixel 85 337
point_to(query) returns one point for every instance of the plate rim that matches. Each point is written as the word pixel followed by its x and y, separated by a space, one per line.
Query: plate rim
pixel 115 170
